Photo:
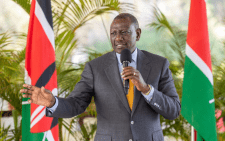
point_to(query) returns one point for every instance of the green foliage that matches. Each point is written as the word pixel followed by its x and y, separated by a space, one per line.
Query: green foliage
pixel 11 74
pixel 7 134
pixel 176 36
pixel 17 129
pixel 71 15
pixel 219 84
pixel 219 92
pixel 3 130
pixel 4 133
pixel 87 131
pixel 25 4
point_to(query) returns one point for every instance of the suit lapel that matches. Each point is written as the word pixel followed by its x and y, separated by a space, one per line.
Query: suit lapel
pixel 144 67
pixel 113 74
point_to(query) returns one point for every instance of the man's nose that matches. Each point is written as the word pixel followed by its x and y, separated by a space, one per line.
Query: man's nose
pixel 119 37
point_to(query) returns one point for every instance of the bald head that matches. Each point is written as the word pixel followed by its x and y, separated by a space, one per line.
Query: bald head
pixel 129 17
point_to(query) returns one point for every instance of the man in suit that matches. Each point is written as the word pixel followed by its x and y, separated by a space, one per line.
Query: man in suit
pixel 120 117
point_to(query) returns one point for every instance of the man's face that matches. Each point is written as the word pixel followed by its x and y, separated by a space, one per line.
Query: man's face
pixel 124 35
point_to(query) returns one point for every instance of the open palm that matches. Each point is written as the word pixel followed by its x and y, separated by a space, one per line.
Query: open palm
pixel 40 96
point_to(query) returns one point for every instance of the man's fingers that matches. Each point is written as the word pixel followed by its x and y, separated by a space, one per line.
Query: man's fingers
pixel 130 73
pixel 129 77
pixel 25 85
pixel 25 91
pixel 129 68
pixel 27 95
pixel 29 86
pixel 43 90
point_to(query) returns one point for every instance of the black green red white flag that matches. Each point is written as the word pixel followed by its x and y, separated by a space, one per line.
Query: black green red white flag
pixel 40 71
pixel 198 106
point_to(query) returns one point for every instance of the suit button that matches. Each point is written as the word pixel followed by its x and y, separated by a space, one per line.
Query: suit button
pixel 130 139
pixel 132 122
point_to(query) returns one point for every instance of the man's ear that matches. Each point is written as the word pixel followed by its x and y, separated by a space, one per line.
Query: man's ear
pixel 138 32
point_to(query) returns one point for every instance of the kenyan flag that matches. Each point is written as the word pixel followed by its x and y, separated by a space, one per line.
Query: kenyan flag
pixel 198 106
pixel 40 71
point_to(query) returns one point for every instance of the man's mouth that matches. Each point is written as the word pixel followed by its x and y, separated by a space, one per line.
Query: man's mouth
pixel 120 46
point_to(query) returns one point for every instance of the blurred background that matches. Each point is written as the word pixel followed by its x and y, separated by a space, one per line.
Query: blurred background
pixel 82 35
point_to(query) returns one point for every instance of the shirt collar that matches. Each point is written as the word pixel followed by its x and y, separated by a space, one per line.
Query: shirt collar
pixel 134 56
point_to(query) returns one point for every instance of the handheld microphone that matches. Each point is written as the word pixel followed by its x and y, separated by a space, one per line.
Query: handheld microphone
pixel 125 59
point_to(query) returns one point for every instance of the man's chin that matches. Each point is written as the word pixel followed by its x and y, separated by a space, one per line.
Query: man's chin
pixel 118 50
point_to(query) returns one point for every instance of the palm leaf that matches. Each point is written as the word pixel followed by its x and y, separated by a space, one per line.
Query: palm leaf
pixel 10 72
pixel 5 40
pixel 160 22
pixel 4 133
pixel 177 41
pixel 25 4
pixel 74 15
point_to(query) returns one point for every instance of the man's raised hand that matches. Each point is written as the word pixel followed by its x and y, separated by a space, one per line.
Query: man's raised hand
pixel 40 96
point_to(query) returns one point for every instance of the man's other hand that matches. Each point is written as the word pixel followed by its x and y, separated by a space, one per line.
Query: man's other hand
pixel 136 78
pixel 40 96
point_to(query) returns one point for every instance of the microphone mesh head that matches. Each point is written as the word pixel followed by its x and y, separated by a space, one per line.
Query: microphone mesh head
pixel 125 55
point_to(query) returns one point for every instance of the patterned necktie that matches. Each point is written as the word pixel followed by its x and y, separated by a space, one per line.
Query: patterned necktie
pixel 130 95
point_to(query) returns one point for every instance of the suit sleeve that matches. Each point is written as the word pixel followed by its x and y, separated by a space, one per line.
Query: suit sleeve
pixel 165 100
pixel 79 98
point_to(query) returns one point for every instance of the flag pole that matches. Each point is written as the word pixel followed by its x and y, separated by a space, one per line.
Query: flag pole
pixel 192 134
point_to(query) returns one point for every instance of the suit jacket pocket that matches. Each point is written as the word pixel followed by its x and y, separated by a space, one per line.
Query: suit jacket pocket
pixel 100 137
pixel 158 136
